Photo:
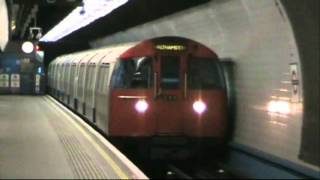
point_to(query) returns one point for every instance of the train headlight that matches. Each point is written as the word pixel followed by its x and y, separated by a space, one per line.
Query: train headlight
pixel 199 106
pixel 141 106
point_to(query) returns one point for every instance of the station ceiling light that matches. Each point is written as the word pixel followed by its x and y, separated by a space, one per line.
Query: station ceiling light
pixel 82 16
pixel 27 47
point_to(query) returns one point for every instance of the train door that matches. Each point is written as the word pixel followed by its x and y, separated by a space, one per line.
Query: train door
pixel 61 81
pixel 170 71
pixel 73 85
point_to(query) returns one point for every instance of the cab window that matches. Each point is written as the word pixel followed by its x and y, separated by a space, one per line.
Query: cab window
pixel 204 74
pixel 133 73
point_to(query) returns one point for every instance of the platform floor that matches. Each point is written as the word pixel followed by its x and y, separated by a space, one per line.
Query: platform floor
pixel 38 139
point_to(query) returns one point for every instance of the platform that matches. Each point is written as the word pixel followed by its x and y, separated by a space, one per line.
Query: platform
pixel 39 138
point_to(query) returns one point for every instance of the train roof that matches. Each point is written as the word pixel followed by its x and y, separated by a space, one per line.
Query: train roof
pixel 148 47
pixel 168 43
pixel 105 54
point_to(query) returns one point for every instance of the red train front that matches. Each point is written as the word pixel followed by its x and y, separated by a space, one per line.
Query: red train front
pixel 168 87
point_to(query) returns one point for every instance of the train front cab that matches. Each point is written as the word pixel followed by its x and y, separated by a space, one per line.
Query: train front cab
pixel 166 89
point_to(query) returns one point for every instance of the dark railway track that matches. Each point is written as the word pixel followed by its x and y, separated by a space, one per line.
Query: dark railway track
pixel 175 172
pixel 183 169
pixel 205 164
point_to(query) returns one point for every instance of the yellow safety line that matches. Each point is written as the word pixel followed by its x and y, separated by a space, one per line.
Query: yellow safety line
pixel 105 155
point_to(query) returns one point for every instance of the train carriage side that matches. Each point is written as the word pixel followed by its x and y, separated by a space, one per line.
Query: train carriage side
pixel 73 79
pixel 80 82
pixel 63 71
pixel 90 85
pixel 57 77
pixel 101 103
pixel 86 75
pixel 66 79
pixel 50 77
pixel 53 78
pixel 60 76
pixel 49 74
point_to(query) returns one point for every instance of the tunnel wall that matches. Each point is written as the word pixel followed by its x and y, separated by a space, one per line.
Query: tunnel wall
pixel 305 23
pixel 4 31
pixel 258 37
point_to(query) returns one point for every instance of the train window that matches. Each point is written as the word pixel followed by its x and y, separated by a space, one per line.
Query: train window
pixel 62 77
pixel 57 76
pixel 72 77
pixel 67 78
pixel 170 72
pixel 134 73
pixel 103 79
pixel 90 77
pixel 81 80
pixel 204 74
pixel 64 81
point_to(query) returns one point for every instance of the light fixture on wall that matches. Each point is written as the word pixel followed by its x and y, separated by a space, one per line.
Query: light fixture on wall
pixel 35 33
pixel 89 11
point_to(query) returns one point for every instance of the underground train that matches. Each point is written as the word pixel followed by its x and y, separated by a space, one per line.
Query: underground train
pixel 166 87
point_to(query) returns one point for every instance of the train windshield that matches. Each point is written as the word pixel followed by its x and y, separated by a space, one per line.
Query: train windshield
pixel 204 74
pixel 134 73
pixel 170 74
